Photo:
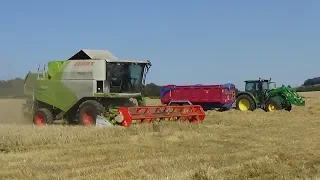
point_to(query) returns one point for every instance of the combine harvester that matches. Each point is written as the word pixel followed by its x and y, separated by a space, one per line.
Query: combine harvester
pixel 261 94
pixel 95 88
pixel 207 96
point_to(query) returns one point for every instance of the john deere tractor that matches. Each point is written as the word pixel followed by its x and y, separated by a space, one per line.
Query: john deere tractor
pixel 264 94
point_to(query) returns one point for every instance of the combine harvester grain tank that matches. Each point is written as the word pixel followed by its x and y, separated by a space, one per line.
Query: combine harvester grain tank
pixel 93 87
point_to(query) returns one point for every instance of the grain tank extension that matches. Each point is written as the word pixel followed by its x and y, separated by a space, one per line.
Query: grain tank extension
pixel 94 87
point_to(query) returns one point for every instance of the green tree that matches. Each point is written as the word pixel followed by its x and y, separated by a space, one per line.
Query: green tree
pixel 11 88
pixel 151 90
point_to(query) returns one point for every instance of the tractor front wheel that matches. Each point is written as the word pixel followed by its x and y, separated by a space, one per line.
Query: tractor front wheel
pixel 42 117
pixel 88 112
pixel 273 104
pixel 245 103
pixel 288 106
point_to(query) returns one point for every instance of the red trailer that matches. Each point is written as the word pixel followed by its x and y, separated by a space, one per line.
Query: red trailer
pixel 208 96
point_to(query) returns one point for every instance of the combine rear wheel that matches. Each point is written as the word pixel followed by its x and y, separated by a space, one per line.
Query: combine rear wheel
pixel 273 104
pixel 88 111
pixel 42 117
pixel 245 103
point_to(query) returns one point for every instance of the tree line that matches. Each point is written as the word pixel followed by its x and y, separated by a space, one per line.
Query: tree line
pixel 312 84
pixel 312 81
pixel 13 88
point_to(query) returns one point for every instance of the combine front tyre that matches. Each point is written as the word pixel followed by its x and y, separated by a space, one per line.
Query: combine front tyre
pixel 245 103
pixel 42 116
pixel 88 112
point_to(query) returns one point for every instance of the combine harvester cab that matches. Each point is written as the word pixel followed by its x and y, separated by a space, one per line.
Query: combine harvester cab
pixel 207 96
pixel 95 88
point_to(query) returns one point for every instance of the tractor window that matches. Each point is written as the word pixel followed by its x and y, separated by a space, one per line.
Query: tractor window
pixel 265 85
pixel 250 86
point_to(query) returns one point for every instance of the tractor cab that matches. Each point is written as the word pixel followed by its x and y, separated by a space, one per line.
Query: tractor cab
pixel 259 87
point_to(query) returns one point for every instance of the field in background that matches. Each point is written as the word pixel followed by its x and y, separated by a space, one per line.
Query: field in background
pixel 315 94
pixel 228 145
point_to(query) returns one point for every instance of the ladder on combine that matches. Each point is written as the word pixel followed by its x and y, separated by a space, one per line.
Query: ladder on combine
pixel 41 71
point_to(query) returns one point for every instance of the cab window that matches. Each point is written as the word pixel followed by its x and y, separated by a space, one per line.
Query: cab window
pixel 250 86
pixel 265 85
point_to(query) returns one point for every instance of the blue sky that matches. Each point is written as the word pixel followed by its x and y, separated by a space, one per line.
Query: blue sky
pixel 188 42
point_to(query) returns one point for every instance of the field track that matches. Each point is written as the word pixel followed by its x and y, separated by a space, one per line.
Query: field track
pixel 228 145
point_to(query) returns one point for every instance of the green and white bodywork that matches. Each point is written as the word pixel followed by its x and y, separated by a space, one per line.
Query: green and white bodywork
pixel 89 76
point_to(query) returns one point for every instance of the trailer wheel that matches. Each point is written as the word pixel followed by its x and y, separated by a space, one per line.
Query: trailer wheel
pixel 88 111
pixel 244 103
pixel 42 117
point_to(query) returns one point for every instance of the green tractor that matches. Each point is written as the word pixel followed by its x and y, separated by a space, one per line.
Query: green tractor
pixel 264 94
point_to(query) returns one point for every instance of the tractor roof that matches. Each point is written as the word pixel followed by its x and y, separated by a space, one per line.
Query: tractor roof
pixel 256 80
pixel 99 55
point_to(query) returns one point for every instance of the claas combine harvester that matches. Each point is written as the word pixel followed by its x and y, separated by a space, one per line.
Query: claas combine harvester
pixel 95 88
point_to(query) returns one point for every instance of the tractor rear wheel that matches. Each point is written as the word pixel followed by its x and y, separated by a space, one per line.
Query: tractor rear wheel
pixel 273 104
pixel 245 103
pixel 88 112
pixel 42 117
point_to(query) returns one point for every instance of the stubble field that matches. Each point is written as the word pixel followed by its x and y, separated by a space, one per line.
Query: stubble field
pixel 228 145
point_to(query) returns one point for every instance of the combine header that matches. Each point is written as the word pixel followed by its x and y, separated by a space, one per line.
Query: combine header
pixel 147 114
pixel 95 88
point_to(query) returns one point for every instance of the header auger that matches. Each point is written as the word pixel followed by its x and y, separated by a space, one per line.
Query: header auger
pixel 260 94
pixel 95 88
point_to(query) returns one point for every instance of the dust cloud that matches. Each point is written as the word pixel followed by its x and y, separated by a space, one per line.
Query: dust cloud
pixel 11 112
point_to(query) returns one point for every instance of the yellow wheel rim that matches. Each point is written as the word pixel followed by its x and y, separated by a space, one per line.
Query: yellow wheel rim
pixel 244 105
pixel 271 107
